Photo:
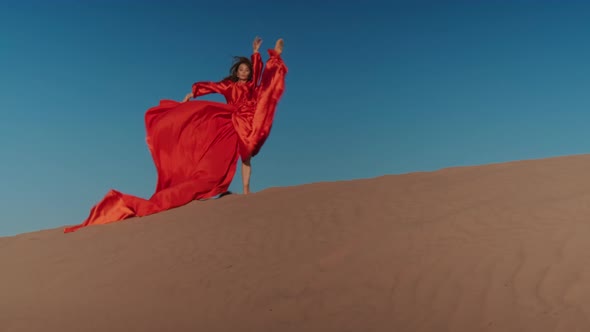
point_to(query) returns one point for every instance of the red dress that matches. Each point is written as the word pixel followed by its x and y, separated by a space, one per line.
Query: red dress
pixel 196 145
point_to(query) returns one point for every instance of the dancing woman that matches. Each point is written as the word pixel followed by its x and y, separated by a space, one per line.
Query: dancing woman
pixel 196 144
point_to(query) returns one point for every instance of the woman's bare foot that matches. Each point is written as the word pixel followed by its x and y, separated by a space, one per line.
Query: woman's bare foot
pixel 279 46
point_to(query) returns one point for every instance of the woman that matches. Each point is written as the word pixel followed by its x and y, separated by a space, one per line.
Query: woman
pixel 240 89
pixel 196 144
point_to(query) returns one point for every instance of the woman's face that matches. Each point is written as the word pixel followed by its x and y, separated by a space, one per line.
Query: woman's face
pixel 243 72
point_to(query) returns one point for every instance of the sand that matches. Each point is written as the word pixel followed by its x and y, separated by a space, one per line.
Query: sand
pixel 501 247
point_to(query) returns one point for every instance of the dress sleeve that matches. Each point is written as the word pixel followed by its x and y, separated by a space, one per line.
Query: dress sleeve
pixel 256 67
pixel 204 88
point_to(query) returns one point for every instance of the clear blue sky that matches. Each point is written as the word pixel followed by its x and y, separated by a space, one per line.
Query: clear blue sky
pixel 373 88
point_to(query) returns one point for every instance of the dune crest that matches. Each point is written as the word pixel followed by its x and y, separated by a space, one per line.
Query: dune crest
pixel 500 247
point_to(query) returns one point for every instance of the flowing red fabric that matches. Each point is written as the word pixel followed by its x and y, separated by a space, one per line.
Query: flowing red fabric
pixel 196 145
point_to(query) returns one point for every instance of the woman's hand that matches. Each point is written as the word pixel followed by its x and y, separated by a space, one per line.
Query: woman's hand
pixel 187 97
pixel 256 44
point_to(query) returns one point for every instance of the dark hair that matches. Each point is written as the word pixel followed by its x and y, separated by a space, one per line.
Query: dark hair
pixel 233 71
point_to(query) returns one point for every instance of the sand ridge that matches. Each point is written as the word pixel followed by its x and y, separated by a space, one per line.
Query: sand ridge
pixel 500 247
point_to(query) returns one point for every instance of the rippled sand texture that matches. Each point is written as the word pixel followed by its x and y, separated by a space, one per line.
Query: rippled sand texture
pixel 502 247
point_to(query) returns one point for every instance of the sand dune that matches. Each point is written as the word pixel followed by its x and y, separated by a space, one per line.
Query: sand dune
pixel 502 247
